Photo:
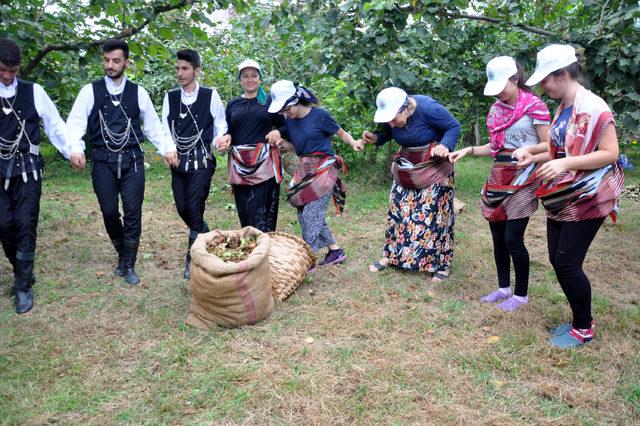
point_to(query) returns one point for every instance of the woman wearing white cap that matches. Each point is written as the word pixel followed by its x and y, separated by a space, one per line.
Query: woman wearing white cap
pixel 517 119
pixel 255 168
pixel 419 231
pixel 310 130
pixel 583 182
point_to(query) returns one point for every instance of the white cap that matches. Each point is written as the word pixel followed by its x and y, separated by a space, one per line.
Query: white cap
pixel 552 58
pixel 249 63
pixel 281 92
pixel 389 101
pixel 499 70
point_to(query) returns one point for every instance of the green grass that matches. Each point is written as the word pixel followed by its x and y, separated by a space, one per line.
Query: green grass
pixel 386 348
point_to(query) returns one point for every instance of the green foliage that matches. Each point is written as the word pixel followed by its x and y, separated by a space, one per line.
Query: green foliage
pixel 345 51
pixel 60 41
pixel 438 48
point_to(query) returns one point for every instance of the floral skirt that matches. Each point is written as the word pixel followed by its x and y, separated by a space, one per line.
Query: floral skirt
pixel 419 228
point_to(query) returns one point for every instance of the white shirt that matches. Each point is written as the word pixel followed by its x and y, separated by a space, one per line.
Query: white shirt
pixel 216 108
pixel 152 128
pixel 54 127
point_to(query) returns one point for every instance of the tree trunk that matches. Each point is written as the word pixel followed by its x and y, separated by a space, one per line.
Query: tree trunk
pixel 476 133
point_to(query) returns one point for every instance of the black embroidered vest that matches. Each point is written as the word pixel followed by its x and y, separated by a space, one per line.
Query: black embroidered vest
pixel 181 121
pixel 17 110
pixel 115 118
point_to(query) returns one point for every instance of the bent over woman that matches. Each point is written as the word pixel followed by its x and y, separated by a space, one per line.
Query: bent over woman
pixel 310 130
pixel 419 227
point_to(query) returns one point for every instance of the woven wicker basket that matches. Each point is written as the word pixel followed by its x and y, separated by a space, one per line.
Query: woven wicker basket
pixel 290 258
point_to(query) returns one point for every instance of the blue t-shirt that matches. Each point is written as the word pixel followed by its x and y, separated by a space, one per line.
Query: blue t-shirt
pixel 429 122
pixel 312 133
pixel 559 130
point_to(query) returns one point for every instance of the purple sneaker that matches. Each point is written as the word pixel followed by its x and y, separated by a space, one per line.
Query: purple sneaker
pixel 512 303
pixel 496 296
pixel 333 257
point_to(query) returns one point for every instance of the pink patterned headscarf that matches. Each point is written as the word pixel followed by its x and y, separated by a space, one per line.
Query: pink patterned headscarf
pixel 501 116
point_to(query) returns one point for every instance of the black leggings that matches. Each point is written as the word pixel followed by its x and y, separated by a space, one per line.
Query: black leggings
pixel 568 244
pixel 508 244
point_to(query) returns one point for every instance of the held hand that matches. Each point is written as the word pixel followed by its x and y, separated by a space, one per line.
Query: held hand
pixel 78 161
pixel 440 151
pixel 552 169
pixel 524 158
pixel 457 155
pixel 357 145
pixel 274 138
pixel 223 143
pixel 171 159
pixel 519 153
pixel 369 138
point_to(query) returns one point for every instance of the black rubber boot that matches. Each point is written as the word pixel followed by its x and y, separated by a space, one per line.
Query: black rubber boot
pixel 22 285
pixel 192 238
pixel 33 275
pixel 118 244
pixel 129 255
pixel 187 264
pixel 24 301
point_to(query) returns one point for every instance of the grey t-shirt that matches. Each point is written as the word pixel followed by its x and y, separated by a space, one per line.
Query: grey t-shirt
pixel 522 133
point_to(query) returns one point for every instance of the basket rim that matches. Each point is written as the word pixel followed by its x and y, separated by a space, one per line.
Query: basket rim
pixel 296 239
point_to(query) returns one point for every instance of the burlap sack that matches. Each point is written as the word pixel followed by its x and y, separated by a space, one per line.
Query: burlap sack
pixel 229 293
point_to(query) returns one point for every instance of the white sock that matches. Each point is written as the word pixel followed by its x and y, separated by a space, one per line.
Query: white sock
pixel 505 290
pixel 524 299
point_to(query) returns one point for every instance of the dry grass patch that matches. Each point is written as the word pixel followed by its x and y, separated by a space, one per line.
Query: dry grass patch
pixel 350 346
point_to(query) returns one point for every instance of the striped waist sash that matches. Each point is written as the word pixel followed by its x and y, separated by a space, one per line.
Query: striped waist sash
pixel 414 168
pixel 506 179
pixel 316 176
pixel 556 196
pixel 254 164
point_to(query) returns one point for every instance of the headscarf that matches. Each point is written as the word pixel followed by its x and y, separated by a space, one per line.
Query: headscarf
pixel 502 116
pixel 262 95
pixel 301 93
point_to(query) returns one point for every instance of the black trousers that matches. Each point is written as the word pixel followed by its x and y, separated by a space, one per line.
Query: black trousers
pixel 19 211
pixel 109 188
pixel 258 204
pixel 190 192
pixel 568 243
pixel 508 244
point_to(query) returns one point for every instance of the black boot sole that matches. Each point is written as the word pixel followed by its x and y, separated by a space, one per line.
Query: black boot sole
pixel 19 312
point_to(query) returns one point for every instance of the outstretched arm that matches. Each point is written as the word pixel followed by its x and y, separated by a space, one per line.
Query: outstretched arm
pixel 153 129
pixel 357 145
pixel 482 150
pixel 57 130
